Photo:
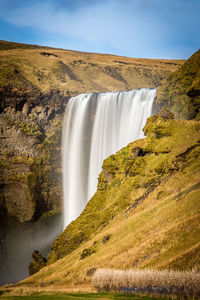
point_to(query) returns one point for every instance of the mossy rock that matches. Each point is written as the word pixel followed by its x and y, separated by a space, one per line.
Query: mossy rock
pixel 30 128
pixel 181 91
pixel 87 252
pixel 38 263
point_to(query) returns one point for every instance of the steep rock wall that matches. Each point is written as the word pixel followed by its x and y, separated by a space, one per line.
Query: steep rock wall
pixel 181 90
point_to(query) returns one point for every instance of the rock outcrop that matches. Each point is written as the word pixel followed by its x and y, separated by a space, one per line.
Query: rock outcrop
pixel 38 262
pixel 180 92
pixel 30 163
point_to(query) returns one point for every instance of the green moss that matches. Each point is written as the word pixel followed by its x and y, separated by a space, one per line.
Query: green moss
pixel 48 214
pixel 180 92
pixel 27 160
pixel 162 194
pixel 134 167
pixel 30 128
pixel 87 252
pixel 102 183
pixel 111 164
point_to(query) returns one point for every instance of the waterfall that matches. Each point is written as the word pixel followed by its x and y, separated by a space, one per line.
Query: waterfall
pixel 95 126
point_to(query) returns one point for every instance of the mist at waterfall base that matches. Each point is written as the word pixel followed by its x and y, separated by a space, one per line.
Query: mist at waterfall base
pixel 97 125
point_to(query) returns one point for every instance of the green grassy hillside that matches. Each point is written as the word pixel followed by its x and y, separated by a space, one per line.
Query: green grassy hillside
pixel 145 213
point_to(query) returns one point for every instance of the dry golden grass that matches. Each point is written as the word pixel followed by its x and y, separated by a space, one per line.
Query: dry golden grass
pixel 75 72
pixel 187 283
pixel 10 290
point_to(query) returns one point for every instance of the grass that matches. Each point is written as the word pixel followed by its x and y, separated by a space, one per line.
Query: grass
pixel 148 281
pixel 81 296
pixel 24 69
pixel 134 182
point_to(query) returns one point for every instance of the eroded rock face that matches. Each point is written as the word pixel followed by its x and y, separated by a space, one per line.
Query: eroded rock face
pixel 14 140
pixel 18 201
pixel 30 164
pixel 17 149
pixel 30 182
pixel 180 92
pixel 165 113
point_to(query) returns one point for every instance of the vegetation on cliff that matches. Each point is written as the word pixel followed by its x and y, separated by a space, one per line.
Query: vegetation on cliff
pixel 149 209
pixel 181 90
pixel 29 163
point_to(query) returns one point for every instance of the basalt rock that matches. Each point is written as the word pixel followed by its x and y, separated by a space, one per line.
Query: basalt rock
pixel 30 141
pixel 38 262
pixel 166 114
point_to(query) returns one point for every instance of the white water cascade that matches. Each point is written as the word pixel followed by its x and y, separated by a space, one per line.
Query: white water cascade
pixel 95 126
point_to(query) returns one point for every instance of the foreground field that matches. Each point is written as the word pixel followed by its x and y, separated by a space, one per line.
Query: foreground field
pixel 78 296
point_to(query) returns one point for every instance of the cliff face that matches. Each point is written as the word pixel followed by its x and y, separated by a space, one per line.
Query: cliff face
pixel 181 90
pixel 35 85
pixel 30 173
pixel 145 213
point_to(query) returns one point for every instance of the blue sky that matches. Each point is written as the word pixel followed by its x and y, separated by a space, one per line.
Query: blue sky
pixel 135 28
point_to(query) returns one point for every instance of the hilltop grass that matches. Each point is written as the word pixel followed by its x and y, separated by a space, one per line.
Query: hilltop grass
pixel 24 68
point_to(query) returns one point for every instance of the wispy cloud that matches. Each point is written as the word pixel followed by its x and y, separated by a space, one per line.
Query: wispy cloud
pixel 139 28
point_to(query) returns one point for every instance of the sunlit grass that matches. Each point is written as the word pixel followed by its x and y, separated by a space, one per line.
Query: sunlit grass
pixel 25 66
pixel 170 282
pixel 81 296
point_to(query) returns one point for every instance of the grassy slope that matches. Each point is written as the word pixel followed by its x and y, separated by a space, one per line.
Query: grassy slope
pixel 81 296
pixel 24 69
pixel 149 210
pixel 181 91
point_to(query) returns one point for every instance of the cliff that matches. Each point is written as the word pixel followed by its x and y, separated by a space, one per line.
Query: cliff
pixel 181 90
